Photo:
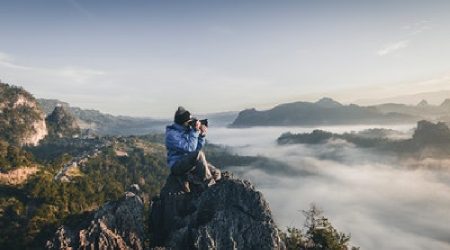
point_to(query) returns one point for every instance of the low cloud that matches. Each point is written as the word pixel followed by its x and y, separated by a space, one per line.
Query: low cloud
pixel 384 202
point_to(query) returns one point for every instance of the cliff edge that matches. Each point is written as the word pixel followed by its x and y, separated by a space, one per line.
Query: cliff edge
pixel 229 215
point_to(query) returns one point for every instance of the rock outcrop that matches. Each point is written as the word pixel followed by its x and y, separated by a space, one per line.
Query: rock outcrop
pixel 18 176
pixel 229 215
pixel 61 123
pixel 22 122
pixel 116 225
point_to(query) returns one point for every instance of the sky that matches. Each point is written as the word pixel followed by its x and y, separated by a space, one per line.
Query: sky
pixel 144 58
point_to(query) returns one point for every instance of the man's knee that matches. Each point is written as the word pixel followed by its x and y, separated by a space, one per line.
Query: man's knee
pixel 201 156
pixel 185 165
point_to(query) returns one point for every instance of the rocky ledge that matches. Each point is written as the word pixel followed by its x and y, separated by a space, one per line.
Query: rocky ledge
pixel 116 225
pixel 229 215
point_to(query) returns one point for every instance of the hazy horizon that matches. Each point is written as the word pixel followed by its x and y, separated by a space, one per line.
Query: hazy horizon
pixel 145 58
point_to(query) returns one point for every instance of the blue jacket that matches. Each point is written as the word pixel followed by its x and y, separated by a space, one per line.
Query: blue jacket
pixel 180 141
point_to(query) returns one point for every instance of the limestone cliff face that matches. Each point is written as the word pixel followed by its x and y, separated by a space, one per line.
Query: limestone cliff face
pixel 229 215
pixel 22 122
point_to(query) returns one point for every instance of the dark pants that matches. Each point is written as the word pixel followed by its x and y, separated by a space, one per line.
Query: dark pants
pixel 192 162
pixel 195 163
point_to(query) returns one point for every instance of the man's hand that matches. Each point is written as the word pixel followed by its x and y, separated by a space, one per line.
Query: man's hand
pixel 203 130
pixel 198 126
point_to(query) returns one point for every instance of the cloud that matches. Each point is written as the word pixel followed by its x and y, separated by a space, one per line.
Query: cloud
pixel 413 30
pixel 79 74
pixel 418 27
pixel 75 74
pixel 384 202
pixel 7 61
pixel 393 47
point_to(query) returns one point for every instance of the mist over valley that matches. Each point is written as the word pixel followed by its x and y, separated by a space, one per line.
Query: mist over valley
pixel 373 195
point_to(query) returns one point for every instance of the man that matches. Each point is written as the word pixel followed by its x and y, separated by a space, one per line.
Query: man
pixel 184 143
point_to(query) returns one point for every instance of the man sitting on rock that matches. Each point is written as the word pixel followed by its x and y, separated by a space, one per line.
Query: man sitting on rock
pixel 185 139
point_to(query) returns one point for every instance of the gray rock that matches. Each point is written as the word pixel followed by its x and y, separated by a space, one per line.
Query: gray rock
pixel 228 215
pixel 116 225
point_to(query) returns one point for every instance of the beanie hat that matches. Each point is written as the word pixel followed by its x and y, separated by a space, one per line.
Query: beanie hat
pixel 182 115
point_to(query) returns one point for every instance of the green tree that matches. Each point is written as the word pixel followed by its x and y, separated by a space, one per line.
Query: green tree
pixel 318 233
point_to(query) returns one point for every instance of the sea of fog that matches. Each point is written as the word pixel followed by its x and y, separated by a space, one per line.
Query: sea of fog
pixel 383 202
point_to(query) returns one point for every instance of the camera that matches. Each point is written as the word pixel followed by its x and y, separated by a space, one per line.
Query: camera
pixel 193 121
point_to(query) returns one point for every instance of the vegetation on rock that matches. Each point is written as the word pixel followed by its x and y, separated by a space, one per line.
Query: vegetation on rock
pixel 21 120
pixel 317 233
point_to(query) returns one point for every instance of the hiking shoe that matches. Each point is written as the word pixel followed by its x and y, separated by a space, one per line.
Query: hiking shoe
pixel 211 182
pixel 217 176
pixel 185 187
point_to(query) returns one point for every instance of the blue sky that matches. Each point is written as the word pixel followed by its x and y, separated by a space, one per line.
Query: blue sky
pixel 145 58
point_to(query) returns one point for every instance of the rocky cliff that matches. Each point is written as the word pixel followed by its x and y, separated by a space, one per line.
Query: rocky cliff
pixel 22 122
pixel 116 225
pixel 229 215
pixel 61 123
pixel 17 176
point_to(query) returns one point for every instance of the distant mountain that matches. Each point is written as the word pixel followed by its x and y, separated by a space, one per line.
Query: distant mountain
pixel 327 102
pixel 221 119
pixel 326 111
pixel 445 105
pixel 22 121
pixel 422 109
pixel 423 103
pixel 106 124
pixel 432 97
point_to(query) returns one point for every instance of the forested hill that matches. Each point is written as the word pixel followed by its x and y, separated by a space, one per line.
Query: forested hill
pixel 22 121
pixel 429 140
pixel 75 177
pixel 323 112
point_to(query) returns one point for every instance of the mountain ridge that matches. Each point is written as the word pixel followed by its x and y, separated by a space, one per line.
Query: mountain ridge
pixel 326 111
